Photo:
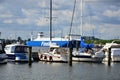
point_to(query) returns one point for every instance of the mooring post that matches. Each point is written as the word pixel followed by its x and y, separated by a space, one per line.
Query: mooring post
pixel 77 45
pixel 109 56
pixel 29 55
pixel 70 56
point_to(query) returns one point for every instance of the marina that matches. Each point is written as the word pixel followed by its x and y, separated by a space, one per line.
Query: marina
pixel 59 40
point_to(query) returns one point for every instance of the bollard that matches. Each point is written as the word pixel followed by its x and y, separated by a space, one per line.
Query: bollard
pixel 109 57
pixel 70 56
pixel 29 55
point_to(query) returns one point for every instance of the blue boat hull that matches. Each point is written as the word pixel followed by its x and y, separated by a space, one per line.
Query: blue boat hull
pixel 17 57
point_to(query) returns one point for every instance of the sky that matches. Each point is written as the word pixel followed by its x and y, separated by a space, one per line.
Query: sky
pixel 100 18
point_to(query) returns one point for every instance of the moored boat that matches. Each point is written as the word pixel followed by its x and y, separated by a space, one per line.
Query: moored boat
pixel 56 54
pixel 87 57
pixel 115 52
pixel 86 53
pixel 17 52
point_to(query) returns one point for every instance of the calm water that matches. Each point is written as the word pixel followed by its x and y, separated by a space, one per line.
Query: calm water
pixel 59 71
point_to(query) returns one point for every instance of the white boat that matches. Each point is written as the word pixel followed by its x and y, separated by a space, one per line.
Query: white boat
pixel 56 54
pixel 87 56
pixel 3 56
pixel 17 52
pixel 115 52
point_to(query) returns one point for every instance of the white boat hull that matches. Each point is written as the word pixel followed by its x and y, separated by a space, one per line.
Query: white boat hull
pixel 99 60
pixel 53 58
pixel 115 55
pixel 86 57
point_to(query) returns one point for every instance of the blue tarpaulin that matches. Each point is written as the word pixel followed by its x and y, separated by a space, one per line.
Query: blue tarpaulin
pixel 85 45
pixel 72 43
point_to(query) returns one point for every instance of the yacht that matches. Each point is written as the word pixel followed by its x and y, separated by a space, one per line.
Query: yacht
pixel 16 52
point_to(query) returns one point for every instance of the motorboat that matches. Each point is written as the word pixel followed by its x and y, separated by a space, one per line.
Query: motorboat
pixel 16 52
pixel 55 54
pixel 3 56
pixel 115 52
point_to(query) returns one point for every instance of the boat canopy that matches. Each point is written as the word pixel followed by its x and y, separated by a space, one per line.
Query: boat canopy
pixel 85 45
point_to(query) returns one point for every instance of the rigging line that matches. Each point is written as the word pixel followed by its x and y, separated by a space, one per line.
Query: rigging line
pixel 72 17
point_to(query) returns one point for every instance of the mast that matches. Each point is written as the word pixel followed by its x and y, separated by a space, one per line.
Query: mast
pixel 81 18
pixel 50 20
pixel 72 18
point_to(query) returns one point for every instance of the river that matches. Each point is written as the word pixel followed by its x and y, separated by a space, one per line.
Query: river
pixel 59 71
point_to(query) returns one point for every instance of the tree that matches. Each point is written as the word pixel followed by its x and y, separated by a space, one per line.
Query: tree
pixel 19 39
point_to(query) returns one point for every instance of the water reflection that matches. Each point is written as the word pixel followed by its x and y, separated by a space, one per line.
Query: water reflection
pixel 59 71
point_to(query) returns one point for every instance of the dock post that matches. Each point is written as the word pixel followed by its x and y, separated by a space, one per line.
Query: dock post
pixel 109 56
pixel 70 56
pixel 77 45
pixel 29 55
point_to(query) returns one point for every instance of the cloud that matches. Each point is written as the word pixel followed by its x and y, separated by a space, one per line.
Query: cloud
pixel 6 15
pixel 29 12
pixel 109 31
pixel 88 26
pixel 1 7
pixel 23 21
pixel 43 4
pixel 111 13
pixel 41 22
pixel 101 15
pixel 8 21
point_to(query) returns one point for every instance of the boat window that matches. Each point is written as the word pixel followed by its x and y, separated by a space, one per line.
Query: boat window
pixel 116 51
pixel 21 49
pixel 51 49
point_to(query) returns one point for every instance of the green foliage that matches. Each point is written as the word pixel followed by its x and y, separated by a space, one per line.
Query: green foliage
pixel 102 41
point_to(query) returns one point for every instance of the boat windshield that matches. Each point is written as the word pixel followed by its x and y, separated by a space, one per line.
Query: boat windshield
pixel 20 49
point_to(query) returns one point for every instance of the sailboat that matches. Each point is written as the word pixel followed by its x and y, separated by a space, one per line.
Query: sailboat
pixel 86 53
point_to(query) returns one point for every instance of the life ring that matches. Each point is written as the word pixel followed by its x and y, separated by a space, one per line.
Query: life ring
pixel 50 58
